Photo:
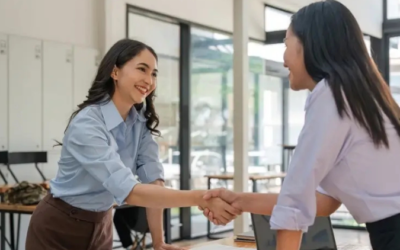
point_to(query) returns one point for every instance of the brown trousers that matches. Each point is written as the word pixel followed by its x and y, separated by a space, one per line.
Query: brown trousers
pixel 56 225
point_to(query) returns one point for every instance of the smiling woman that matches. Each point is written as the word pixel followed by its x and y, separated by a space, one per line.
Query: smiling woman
pixel 109 140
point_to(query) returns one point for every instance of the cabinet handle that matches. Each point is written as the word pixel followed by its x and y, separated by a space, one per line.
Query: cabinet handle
pixel 38 51
pixel 3 47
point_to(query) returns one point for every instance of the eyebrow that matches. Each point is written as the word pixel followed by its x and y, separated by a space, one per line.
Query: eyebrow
pixel 147 66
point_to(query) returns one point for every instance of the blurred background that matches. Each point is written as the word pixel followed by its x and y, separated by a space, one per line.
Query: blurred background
pixel 50 50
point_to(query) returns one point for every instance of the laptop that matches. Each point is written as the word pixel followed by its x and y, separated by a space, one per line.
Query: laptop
pixel 319 236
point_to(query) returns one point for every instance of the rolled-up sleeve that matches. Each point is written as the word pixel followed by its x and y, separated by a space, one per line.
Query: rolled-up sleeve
pixel 319 148
pixel 149 168
pixel 88 144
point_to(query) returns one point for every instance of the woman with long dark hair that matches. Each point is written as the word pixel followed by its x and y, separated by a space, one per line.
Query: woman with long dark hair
pixel 348 151
pixel 107 142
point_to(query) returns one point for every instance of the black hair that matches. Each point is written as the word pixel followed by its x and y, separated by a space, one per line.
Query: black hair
pixel 334 49
pixel 103 86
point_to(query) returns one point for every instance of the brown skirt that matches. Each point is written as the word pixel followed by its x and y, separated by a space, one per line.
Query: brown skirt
pixel 56 225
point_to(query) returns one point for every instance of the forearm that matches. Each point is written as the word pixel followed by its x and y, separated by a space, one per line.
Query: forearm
pixel 155 220
pixel 288 240
pixel 259 203
pixel 153 196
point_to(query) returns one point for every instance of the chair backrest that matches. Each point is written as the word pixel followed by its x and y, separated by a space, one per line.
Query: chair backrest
pixel 141 224
pixel 4 157
pixel 27 157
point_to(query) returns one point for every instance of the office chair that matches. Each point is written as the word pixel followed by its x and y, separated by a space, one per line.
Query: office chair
pixel 132 227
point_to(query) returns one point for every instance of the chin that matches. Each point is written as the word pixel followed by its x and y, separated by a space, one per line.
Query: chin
pixel 137 99
pixel 294 87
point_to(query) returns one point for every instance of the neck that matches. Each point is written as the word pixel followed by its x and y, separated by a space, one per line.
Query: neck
pixel 311 85
pixel 122 106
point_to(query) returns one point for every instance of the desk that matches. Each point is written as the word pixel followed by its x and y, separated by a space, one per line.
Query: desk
pixel 11 210
pixel 231 242
pixel 252 178
pixel 21 209
pixel 228 242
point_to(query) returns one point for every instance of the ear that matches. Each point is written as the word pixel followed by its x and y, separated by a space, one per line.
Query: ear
pixel 114 73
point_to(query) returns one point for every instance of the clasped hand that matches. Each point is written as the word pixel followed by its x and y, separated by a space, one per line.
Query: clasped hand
pixel 222 206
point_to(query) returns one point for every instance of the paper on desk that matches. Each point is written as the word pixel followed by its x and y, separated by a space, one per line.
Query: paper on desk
pixel 218 247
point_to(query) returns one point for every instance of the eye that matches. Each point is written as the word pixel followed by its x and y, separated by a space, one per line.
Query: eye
pixel 142 69
pixel 154 74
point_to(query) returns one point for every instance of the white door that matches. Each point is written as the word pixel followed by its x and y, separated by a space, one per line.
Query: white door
pixel 85 68
pixel 3 92
pixel 57 92
pixel 25 94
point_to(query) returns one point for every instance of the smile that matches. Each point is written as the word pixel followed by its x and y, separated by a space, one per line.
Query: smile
pixel 142 90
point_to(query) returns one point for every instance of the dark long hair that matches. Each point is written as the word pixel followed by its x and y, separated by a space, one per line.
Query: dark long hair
pixel 103 87
pixel 334 49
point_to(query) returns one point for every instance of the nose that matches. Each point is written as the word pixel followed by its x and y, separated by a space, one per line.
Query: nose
pixel 148 80
pixel 285 65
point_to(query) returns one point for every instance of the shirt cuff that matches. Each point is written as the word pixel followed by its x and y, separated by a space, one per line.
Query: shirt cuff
pixel 120 184
pixel 287 218
pixel 150 172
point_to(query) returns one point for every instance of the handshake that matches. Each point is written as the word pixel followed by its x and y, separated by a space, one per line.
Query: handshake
pixel 221 206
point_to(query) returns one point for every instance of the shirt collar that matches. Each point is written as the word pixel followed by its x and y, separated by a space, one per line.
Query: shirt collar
pixel 112 117
pixel 311 95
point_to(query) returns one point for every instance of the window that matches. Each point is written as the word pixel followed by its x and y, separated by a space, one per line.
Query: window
pixel 276 19
pixel 393 9
pixel 211 118
pixel 394 67
pixel 164 37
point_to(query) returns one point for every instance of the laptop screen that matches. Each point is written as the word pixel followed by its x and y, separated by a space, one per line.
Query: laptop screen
pixel 319 236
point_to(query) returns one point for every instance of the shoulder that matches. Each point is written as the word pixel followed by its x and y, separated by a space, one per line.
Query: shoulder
pixel 320 95
pixel 88 121
pixel 321 101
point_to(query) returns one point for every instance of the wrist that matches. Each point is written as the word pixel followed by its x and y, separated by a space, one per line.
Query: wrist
pixel 198 198
pixel 241 201
pixel 158 243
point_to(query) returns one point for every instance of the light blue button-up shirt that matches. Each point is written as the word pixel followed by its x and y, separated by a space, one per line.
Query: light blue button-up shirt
pixel 337 157
pixel 101 155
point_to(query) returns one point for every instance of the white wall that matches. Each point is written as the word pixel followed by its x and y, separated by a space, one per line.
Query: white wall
pixel 367 12
pixel 219 14
pixel 76 22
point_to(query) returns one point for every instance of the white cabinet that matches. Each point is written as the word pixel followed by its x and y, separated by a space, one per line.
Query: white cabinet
pixel 25 94
pixel 85 69
pixel 3 92
pixel 57 91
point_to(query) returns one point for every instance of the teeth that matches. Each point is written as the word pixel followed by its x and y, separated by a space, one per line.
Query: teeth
pixel 142 88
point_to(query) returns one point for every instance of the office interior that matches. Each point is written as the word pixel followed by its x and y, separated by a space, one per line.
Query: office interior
pixel 50 50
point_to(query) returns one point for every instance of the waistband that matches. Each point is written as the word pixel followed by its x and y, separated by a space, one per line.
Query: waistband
pixel 391 223
pixel 77 213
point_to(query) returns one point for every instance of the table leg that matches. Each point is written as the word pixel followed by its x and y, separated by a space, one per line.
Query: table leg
pixel 3 230
pixel 254 186
pixel 18 230
pixel 167 225
pixel 12 238
pixel 208 221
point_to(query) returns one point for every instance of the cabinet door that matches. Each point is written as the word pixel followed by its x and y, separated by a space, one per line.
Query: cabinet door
pixel 85 68
pixel 25 99
pixel 57 91
pixel 3 92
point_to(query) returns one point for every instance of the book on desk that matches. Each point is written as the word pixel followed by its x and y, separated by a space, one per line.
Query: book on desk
pixel 246 237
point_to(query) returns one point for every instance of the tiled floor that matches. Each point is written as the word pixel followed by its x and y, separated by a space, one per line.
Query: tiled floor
pixel 342 236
